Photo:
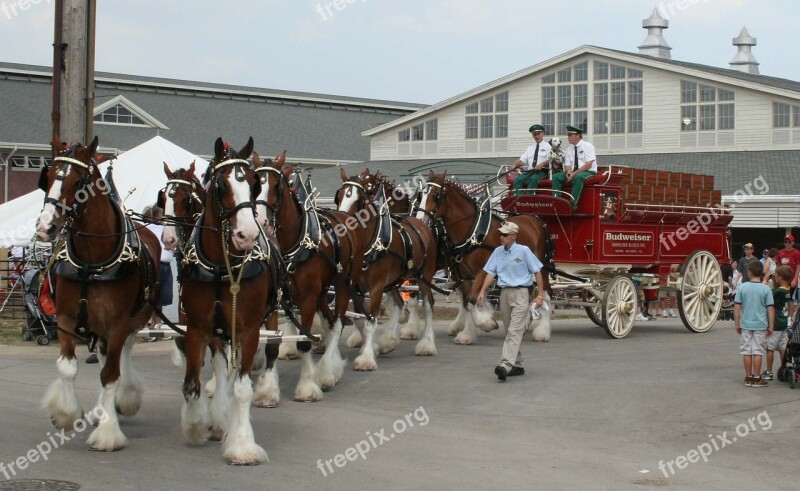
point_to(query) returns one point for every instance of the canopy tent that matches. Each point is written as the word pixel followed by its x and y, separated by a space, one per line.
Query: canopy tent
pixel 138 175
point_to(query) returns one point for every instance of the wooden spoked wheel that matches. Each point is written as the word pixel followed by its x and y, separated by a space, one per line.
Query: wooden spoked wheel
pixel 619 307
pixel 700 295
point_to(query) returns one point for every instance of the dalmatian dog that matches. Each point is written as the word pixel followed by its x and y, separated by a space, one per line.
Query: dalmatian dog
pixel 556 155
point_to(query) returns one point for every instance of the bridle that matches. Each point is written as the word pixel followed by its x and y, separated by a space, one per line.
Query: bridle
pixel 192 202
pixel 351 187
pixel 240 167
pixel 64 164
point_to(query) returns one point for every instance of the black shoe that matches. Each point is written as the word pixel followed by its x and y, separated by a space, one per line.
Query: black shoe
pixel 516 371
pixel 92 358
pixel 501 373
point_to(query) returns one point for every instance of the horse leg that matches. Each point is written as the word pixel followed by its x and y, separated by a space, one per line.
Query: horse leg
pixel 177 355
pixel 239 446
pixel 194 413
pixel 129 393
pixel 427 343
pixel 288 350
pixel 216 346
pixel 307 389
pixel 390 337
pixel 218 408
pixel 331 365
pixel 267 391
pixel 108 436
pixel 356 339
pixel 542 330
pixel 320 327
pixel 366 360
pixel 60 399
pixel 482 317
pixel 459 322
pixel 410 329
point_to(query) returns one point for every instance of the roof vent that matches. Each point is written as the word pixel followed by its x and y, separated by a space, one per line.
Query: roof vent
pixel 744 61
pixel 655 44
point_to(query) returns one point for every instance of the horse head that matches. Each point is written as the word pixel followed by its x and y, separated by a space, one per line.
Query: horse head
pixel 269 176
pixel 66 183
pixel 432 203
pixel 182 199
pixel 352 196
pixel 232 186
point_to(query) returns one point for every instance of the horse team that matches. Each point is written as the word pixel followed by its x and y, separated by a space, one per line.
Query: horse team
pixel 253 242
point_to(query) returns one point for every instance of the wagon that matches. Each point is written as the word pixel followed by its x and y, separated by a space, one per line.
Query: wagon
pixel 635 222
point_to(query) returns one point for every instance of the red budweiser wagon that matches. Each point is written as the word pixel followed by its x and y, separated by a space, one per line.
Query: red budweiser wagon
pixel 635 222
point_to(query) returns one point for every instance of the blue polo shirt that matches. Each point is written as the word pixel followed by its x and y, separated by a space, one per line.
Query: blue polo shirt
pixel 754 299
pixel 513 267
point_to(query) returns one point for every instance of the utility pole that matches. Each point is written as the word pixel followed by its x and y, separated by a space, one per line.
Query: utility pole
pixel 73 70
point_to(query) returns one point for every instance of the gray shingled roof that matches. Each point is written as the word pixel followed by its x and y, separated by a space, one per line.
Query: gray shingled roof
pixel 731 171
pixel 778 83
pixel 306 130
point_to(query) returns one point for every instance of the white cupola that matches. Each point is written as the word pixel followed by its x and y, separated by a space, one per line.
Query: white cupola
pixel 655 44
pixel 744 61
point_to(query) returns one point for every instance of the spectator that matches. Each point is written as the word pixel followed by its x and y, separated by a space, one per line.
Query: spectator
pixel 770 265
pixel 789 256
pixel 735 279
pixel 165 292
pixel 764 256
pixel 754 318
pixel 747 258
pixel 779 339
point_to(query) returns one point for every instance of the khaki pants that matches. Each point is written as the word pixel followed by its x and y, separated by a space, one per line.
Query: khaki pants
pixel 515 305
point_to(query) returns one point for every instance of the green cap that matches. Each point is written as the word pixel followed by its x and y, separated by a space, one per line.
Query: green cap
pixel 536 127
pixel 574 129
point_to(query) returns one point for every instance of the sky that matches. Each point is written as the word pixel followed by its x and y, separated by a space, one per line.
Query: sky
pixel 400 50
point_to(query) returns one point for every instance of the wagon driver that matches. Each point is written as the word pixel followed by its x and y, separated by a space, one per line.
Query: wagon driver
pixel 514 266
pixel 580 163
pixel 535 163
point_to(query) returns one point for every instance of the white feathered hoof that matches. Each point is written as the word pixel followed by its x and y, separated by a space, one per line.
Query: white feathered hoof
pixel 250 454
pixel 267 391
pixel 355 340
pixel 387 344
pixel 408 333
pixel 365 364
pixel 483 318
pixel 177 357
pixel 215 434
pixel 288 351
pixel 128 401
pixel 465 338
pixel 541 334
pixel 107 438
pixel 194 422
pixel 307 391
pixel 62 406
pixel 211 386
pixel 425 347
pixel 319 347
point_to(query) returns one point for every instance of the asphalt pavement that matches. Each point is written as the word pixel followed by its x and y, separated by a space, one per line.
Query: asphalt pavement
pixel 661 408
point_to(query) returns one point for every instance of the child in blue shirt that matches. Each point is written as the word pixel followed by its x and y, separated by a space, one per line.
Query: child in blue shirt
pixel 754 318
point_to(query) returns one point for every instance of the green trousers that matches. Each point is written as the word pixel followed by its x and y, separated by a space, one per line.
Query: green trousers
pixel 527 181
pixel 577 184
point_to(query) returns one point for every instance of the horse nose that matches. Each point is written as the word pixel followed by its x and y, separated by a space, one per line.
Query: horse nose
pixel 246 241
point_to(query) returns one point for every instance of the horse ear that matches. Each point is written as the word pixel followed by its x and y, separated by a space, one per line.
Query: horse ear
pixel 93 147
pixel 430 174
pixel 219 148
pixel 343 174
pixel 167 172
pixel 191 167
pixel 444 174
pixel 280 160
pixel 57 145
pixel 256 160
pixel 245 152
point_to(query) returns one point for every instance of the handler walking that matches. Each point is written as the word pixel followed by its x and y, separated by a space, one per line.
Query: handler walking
pixel 514 266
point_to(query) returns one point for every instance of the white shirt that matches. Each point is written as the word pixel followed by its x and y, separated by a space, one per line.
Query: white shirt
pixel 528 161
pixel 586 153
pixel 158 229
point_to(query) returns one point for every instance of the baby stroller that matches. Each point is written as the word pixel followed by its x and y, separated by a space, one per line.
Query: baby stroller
pixel 38 324
pixel 790 368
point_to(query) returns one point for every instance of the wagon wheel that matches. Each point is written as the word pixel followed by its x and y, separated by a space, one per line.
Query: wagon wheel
pixel 700 294
pixel 595 313
pixel 619 307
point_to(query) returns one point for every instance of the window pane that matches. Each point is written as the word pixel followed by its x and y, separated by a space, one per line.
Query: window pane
pixel 796 116
pixel 707 94
pixel 122 111
pixel 432 129
pixel 486 126
pixel 501 126
pixel 124 118
pixel 564 119
pixel 109 117
pixel 582 71
pixel 18 161
pixel 486 105
pixel 581 120
pixel 617 71
pixel 98 117
pixel 565 75
pixel 472 108
pixel 501 102
pixel 617 121
pixel 727 117
pixel 600 70
pixel 726 95
pixel 635 120
pixel 581 95
pixel 780 115
pixel 548 97
pixel 617 93
pixel 708 117
pixel 417 132
pixel 688 91
pixel 404 135
pixel 600 122
pixel 688 118
pixel 549 123
pixel 635 93
pixel 564 96
pixel 471 127
pixel 136 120
pixel 601 95
pixel 633 73
pixel 549 79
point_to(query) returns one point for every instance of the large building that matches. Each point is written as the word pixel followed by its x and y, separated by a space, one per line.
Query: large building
pixel 317 130
pixel 639 109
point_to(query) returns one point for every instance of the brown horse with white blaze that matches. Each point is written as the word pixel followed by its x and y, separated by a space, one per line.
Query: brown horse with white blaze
pixel 471 236
pixel 106 271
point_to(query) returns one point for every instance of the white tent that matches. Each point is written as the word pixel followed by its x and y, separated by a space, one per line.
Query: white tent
pixel 138 175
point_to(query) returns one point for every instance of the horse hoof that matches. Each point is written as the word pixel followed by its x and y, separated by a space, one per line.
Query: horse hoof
pixel 289 356
pixel 388 348
pixel 464 340
pixel 215 435
pixel 408 336
pixel 308 398
pixel 113 449
pixel 362 365
pixel 265 405
pixel 243 463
